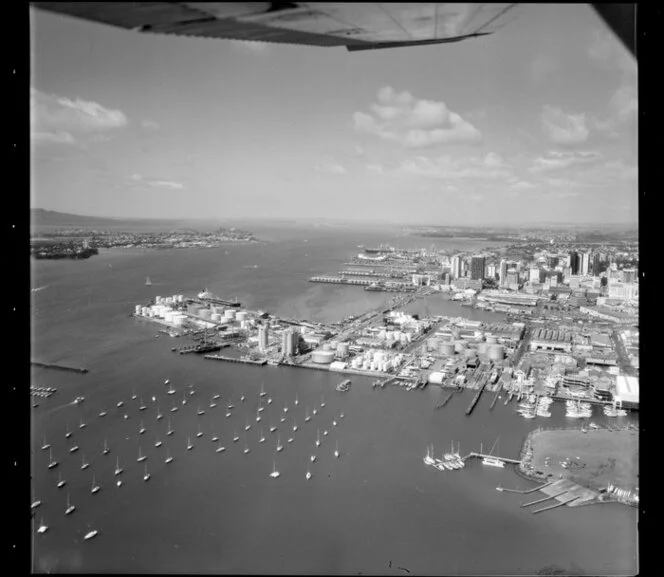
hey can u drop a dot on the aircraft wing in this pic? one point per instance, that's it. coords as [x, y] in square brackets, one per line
[360, 26]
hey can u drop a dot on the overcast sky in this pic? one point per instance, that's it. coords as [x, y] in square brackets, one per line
[536, 122]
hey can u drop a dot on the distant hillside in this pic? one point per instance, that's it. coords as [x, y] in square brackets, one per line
[42, 219]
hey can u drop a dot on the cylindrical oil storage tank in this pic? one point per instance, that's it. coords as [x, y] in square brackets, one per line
[459, 346]
[322, 357]
[137, 309]
[216, 317]
[229, 314]
[482, 348]
[436, 378]
[343, 349]
[205, 313]
[447, 349]
[382, 335]
[491, 340]
[456, 334]
[470, 353]
[496, 352]
[241, 316]
[404, 338]
[157, 300]
[145, 311]
[356, 363]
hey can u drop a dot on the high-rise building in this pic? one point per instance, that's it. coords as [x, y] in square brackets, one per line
[456, 267]
[503, 272]
[552, 261]
[585, 263]
[262, 338]
[534, 275]
[512, 281]
[477, 268]
[288, 343]
[596, 264]
[491, 271]
[574, 262]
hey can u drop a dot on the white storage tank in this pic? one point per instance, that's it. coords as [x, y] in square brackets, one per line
[157, 300]
[322, 357]
[459, 346]
[382, 334]
[137, 309]
[496, 352]
[229, 313]
[343, 349]
[436, 378]
[216, 317]
[241, 316]
[447, 349]
[404, 339]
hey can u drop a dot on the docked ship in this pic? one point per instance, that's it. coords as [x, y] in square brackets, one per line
[344, 386]
[206, 295]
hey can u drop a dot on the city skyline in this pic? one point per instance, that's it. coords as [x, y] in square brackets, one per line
[534, 125]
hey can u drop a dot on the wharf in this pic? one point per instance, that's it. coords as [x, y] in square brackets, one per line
[482, 455]
[445, 401]
[526, 492]
[475, 399]
[202, 348]
[234, 360]
[495, 398]
[59, 367]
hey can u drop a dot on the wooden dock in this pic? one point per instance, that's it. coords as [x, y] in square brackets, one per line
[547, 498]
[525, 492]
[234, 360]
[476, 398]
[481, 456]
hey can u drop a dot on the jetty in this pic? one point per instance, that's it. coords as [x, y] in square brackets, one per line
[482, 456]
[476, 398]
[547, 498]
[59, 367]
[495, 398]
[202, 348]
[445, 401]
[527, 491]
[562, 492]
[234, 360]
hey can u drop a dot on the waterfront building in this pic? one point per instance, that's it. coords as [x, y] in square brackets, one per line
[629, 275]
[456, 266]
[627, 392]
[585, 263]
[262, 338]
[624, 291]
[512, 280]
[534, 275]
[575, 262]
[289, 342]
[491, 271]
[596, 266]
[477, 265]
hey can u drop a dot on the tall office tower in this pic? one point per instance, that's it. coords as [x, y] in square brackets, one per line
[585, 263]
[491, 271]
[503, 272]
[288, 342]
[456, 267]
[574, 262]
[596, 264]
[262, 338]
[552, 261]
[534, 275]
[629, 275]
[477, 268]
[512, 280]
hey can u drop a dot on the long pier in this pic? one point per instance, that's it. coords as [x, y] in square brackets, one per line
[475, 399]
[481, 456]
[547, 498]
[525, 492]
[566, 501]
[495, 398]
[234, 360]
[59, 367]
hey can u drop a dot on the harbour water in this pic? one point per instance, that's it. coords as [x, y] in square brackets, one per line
[220, 512]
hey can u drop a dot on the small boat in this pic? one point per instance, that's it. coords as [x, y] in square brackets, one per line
[272, 428]
[91, 534]
[158, 443]
[146, 476]
[61, 481]
[168, 459]
[51, 461]
[73, 448]
[282, 420]
[106, 449]
[261, 409]
[120, 404]
[274, 474]
[247, 426]
[171, 391]
[118, 469]
[262, 439]
[228, 414]
[142, 429]
[142, 407]
[82, 425]
[258, 417]
[192, 393]
[290, 439]
[297, 402]
[200, 433]
[103, 413]
[95, 487]
[42, 528]
[84, 465]
[230, 406]
[307, 418]
[269, 400]
[313, 458]
[217, 396]
[170, 430]
[35, 504]
[148, 282]
[189, 445]
[279, 445]
[294, 426]
[315, 411]
[214, 439]
[308, 475]
[235, 437]
[246, 449]
[336, 451]
[242, 398]
[318, 439]
[322, 402]
[159, 415]
[133, 395]
[220, 449]
[262, 393]
[70, 508]
[174, 408]
[200, 411]
[341, 416]
[141, 457]
[213, 405]
[167, 381]
[334, 423]
[286, 409]
[324, 433]
[68, 433]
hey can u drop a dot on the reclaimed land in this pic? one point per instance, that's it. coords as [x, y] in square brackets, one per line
[603, 457]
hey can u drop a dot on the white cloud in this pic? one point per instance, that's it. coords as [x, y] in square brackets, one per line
[252, 47]
[624, 103]
[401, 118]
[57, 119]
[493, 160]
[523, 185]
[375, 168]
[165, 184]
[446, 167]
[57, 137]
[331, 168]
[150, 124]
[562, 127]
[556, 160]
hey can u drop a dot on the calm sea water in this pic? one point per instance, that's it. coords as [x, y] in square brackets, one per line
[211, 512]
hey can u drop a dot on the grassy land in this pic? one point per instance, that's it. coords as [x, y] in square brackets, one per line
[604, 456]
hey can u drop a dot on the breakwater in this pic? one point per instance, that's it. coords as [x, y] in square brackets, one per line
[59, 367]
